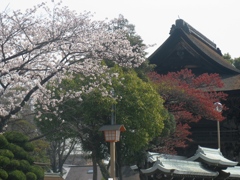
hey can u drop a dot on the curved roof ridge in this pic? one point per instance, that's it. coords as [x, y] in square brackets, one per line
[180, 23]
[180, 167]
[211, 156]
[153, 156]
[234, 171]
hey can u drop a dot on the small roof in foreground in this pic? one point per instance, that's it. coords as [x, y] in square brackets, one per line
[204, 164]
[112, 128]
[180, 168]
[212, 157]
[153, 157]
[234, 171]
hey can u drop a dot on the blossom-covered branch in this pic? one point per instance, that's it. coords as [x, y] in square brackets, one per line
[40, 45]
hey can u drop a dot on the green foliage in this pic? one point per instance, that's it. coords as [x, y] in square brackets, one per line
[4, 161]
[39, 153]
[16, 175]
[24, 166]
[236, 63]
[144, 69]
[18, 151]
[140, 103]
[30, 159]
[24, 124]
[13, 165]
[131, 35]
[228, 57]
[3, 141]
[137, 104]
[38, 171]
[29, 147]
[87, 116]
[15, 137]
[3, 174]
[6, 153]
[31, 176]
[169, 126]
[15, 162]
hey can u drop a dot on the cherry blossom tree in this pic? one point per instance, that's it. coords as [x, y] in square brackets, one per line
[43, 44]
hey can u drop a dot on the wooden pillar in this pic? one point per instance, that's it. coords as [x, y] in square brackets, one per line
[112, 160]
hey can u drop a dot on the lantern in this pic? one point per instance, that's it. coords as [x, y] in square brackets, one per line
[112, 132]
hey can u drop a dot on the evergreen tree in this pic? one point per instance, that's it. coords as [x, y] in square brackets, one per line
[16, 162]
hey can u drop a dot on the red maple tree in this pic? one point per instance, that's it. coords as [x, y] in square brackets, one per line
[189, 98]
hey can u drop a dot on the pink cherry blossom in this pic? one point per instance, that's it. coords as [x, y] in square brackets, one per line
[40, 45]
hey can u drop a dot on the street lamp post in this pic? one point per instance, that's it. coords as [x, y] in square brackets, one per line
[112, 135]
[218, 107]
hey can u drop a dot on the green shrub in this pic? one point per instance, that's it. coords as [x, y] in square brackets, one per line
[15, 137]
[18, 152]
[4, 161]
[15, 161]
[3, 141]
[6, 153]
[13, 165]
[27, 146]
[24, 166]
[38, 171]
[16, 175]
[31, 176]
[21, 154]
[3, 174]
[30, 159]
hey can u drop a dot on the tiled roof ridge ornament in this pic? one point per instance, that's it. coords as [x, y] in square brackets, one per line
[234, 172]
[181, 24]
[175, 167]
[153, 156]
[212, 157]
[206, 150]
[206, 163]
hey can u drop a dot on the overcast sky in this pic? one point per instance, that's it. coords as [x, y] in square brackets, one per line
[219, 20]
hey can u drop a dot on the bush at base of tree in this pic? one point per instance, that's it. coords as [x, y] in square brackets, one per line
[15, 161]
[38, 171]
[16, 175]
[3, 174]
[31, 176]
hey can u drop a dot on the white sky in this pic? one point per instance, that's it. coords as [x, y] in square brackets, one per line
[219, 20]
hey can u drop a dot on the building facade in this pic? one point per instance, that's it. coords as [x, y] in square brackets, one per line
[187, 48]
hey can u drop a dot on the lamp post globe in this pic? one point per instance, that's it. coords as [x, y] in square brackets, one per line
[218, 107]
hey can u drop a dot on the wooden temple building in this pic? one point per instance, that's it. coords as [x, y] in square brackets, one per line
[188, 48]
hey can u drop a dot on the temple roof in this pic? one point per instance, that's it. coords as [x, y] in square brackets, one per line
[180, 168]
[211, 157]
[205, 163]
[234, 172]
[188, 48]
[153, 157]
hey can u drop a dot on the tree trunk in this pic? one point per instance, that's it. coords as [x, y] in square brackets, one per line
[94, 160]
[144, 166]
[119, 168]
[53, 156]
[103, 169]
[119, 161]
